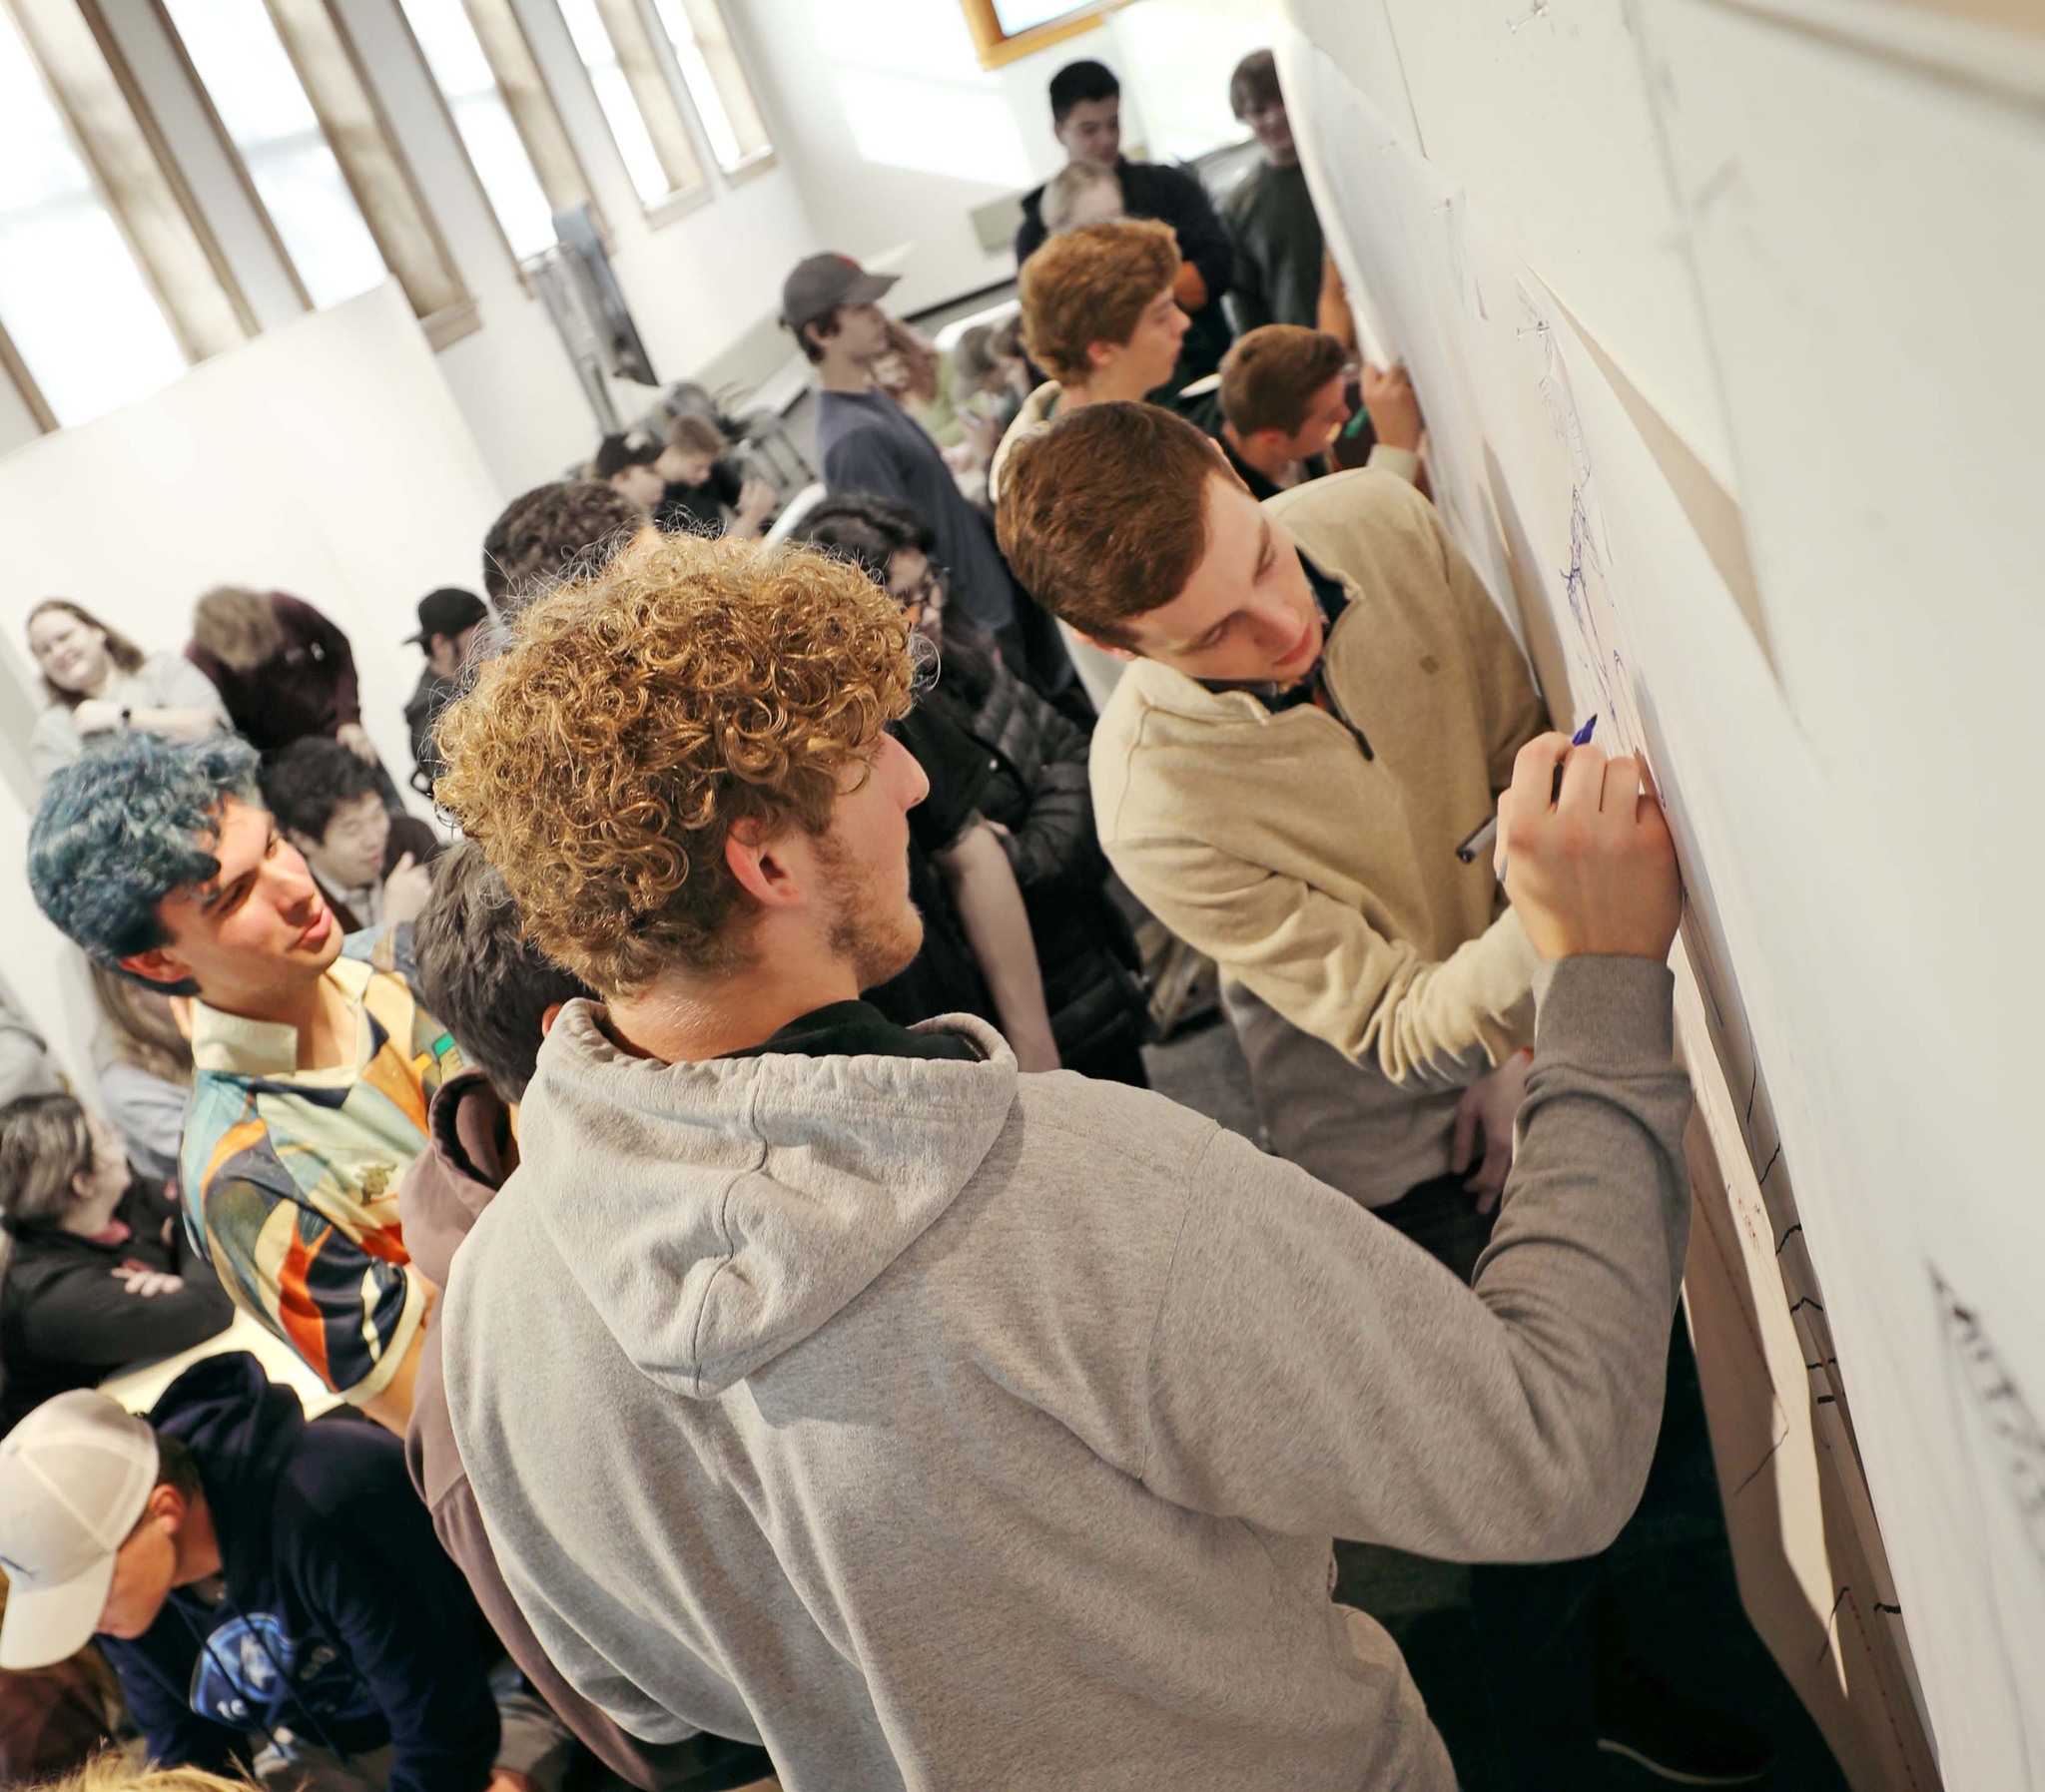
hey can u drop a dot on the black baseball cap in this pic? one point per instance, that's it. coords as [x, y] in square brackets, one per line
[616, 453]
[447, 612]
[821, 283]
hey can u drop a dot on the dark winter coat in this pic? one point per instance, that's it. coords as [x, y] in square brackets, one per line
[1037, 790]
[67, 1320]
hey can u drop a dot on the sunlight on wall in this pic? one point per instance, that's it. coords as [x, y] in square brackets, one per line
[940, 127]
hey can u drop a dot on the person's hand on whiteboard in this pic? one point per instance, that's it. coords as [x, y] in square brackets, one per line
[1592, 871]
[1394, 406]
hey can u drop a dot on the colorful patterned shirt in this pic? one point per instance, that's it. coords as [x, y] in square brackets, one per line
[291, 1176]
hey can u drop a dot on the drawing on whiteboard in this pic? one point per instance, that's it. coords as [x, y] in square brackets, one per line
[2006, 1417]
[2002, 1448]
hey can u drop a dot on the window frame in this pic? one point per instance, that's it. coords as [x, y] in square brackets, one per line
[136, 179]
[636, 49]
[501, 36]
[998, 46]
[351, 117]
[727, 53]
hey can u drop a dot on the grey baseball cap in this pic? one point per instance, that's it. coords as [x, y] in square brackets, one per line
[75, 1476]
[821, 283]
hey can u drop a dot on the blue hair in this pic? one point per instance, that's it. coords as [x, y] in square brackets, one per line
[122, 827]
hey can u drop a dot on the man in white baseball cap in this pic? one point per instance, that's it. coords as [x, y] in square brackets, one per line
[75, 1480]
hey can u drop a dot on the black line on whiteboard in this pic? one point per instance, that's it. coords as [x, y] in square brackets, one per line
[1787, 1235]
[1763, 1464]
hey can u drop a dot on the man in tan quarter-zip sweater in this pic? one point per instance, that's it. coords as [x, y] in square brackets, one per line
[1322, 702]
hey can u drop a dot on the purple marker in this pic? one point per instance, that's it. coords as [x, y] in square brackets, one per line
[1480, 841]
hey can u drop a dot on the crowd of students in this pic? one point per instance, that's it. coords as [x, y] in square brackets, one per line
[752, 1362]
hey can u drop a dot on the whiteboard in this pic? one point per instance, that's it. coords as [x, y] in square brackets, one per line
[1616, 244]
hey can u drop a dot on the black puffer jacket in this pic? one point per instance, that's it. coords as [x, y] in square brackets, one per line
[1037, 790]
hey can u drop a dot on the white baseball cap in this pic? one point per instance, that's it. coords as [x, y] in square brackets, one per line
[75, 1476]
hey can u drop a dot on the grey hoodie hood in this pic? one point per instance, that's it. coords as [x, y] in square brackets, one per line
[744, 1202]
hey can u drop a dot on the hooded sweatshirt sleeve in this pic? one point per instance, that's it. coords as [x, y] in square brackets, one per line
[405, 1621]
[1365, 1393]
[173, 1733]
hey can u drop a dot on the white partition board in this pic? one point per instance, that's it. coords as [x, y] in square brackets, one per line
[1814, 263]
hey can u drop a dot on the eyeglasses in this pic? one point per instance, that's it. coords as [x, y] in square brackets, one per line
[927, 593]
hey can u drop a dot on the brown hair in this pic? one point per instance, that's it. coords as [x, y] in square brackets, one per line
[140, 1029]
[1254, 84]
[567, 530]
[694, 433]
[1269, 377]
[122, 651]
[239, 627]
[1103, 516]
[1093, 285]
[601, 761]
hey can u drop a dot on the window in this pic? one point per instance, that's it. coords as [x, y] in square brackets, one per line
[454, 56]
[262, 106]
[292, 103]
[1007, 29]
[617, 51]
[716, 81]
[88, 332]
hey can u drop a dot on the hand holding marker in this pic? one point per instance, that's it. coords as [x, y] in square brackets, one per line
[1481, 840]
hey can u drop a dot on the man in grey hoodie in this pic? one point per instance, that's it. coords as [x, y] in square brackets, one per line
[831, 1385]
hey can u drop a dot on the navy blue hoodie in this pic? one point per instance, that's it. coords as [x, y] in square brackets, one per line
[344, 1624]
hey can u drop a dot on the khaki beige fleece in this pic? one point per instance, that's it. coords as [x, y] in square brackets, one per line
[1323, 880]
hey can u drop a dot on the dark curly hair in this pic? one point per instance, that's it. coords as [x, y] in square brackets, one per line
[553, 533]
[602, 760]
[120, 828]
[305, 782]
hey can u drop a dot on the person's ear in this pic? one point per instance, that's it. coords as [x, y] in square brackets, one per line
[160, 964]
[754, 857]
[1104, 354]
[166, 1509]
[1113, 648]
[548, 1015]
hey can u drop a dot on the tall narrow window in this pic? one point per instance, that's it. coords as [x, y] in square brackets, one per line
[263, 106]
[461, 71]
[716, 80]
[617, 50]
[82, 317]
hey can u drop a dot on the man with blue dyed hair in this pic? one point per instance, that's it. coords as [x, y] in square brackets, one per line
[315, 1060]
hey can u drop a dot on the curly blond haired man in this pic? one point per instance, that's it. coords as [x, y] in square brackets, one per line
[832, 1386]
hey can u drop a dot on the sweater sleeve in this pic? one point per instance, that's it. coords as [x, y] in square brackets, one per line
[1366, 1393]
[407, 1624]
[173, 1734]
[1322, 964]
